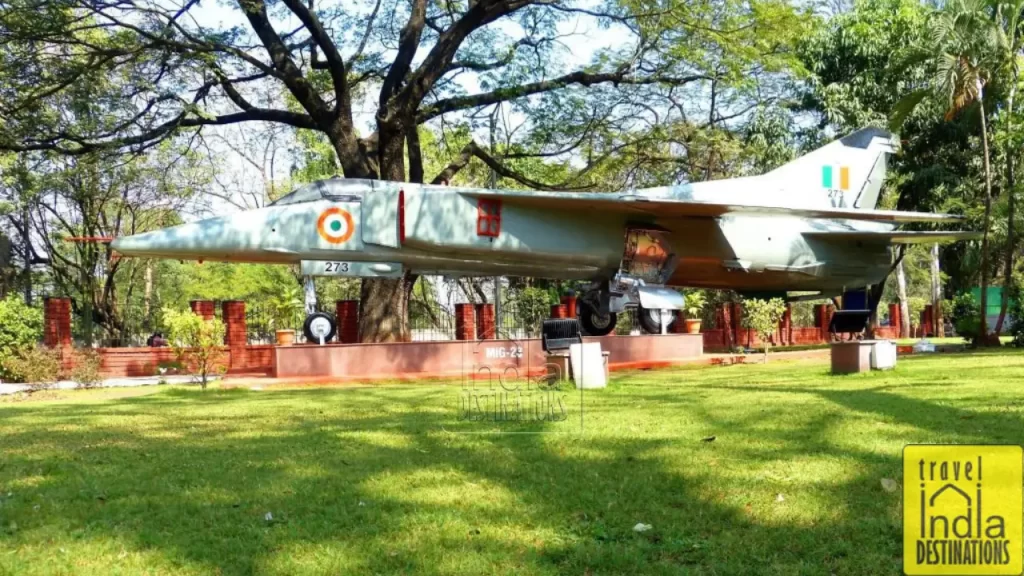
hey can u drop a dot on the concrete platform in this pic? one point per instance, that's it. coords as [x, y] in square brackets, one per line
[474, 359]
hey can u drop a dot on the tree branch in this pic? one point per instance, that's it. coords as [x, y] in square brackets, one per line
[256, 12]
[438, 60]
[473, 149]
[335, 63]
[513, 92]
[408, 42]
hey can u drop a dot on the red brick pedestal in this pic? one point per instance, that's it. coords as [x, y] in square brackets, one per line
[786, 326]
[236, 337]
[203, 308]
[465, 322]
[485, 321]
[570, 306]
[740, 335]
[723, 321]
[347, 315]
[57, 322]
[927, 327]
[895, 319]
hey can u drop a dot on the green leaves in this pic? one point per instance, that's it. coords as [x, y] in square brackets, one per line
[21, 328]
[905, 107]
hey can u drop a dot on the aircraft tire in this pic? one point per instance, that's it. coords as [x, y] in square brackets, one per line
[594, 324]
[317, 322]
[650, 320]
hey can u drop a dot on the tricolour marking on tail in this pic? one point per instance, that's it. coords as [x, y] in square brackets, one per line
[845, 173]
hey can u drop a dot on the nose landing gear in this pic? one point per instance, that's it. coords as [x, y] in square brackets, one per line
[319, 327]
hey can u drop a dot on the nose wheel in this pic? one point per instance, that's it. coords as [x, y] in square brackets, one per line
[319, 325]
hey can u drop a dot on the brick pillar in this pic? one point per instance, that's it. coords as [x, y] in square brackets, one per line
[203, 308]
[57, 322]
[570, 306]
[485, 322]
[465, 322]
[679, 326]
[236, 337]
[826, 319]
[926, 321]
[786, 325]
[723, 320]
[347, 316]
[559, 311]
[737, 324]
[895, 320]
[819, 321]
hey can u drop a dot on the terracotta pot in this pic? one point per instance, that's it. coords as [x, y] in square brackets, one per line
[692, 326]
[285, 337]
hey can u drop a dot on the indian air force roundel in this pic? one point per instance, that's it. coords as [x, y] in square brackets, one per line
[335, 225]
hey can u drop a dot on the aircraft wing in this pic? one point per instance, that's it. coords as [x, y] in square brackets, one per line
[895, 237]
[670, 207]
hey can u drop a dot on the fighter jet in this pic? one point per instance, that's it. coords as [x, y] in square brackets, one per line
[808, 227]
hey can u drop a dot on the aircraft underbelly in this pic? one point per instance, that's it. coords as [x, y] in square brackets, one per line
[747, 252]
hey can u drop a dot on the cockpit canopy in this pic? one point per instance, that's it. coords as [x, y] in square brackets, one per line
[337, 189]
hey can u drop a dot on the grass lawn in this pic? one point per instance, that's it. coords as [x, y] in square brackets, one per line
[388, 479]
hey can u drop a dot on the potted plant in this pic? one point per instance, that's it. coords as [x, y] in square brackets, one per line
[285, 306]
[695, 301]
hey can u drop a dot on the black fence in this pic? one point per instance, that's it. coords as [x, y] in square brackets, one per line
[262, 322]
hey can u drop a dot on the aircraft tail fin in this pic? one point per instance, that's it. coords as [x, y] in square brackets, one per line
[845, 173]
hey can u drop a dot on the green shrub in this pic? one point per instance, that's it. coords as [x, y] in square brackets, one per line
[532, 305]
[1016, 313]
[37, 366]
[964, 314]
[764, 317]
[196, 341]
[21, 328]
[87, 369]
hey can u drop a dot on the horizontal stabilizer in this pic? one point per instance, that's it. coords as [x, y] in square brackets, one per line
[895, 237]
[672, 208]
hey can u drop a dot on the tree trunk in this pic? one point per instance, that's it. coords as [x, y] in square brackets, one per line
[940, 328]
[147, 301]
[1011, 189]
[983, 339]
[384, 302]
[901, 293]
[26, 231]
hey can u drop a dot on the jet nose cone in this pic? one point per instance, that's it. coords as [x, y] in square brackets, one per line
[138, 244]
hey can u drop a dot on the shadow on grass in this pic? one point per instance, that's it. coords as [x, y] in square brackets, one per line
[375, 480]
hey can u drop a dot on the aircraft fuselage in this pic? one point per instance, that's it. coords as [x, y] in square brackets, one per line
[436, 230]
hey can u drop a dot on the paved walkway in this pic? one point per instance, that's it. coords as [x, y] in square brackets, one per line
[263, 380]
[108, 383]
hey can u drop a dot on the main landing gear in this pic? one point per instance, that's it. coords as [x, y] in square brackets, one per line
[592, 321]
[651, 319]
